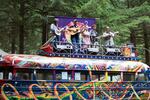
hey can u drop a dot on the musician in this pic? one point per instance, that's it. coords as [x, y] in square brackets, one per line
[108, 36]
[93, 34]
[55, 29]
[75, 37]
[85, 37]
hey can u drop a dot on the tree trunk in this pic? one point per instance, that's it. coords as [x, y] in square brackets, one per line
[13, 40]
[21, 26]
[44, 31]
[133, 37]
[146, 41]
[128, 3]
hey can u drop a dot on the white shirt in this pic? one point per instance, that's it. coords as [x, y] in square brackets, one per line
[108, 40]
[54, 28]
[93, 32]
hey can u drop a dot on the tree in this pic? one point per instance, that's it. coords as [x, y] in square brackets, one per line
[21, 25]
[25, 20]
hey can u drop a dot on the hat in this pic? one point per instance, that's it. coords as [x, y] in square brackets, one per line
[107, 27]
[75, 20]
[56, 19]
[93, 25]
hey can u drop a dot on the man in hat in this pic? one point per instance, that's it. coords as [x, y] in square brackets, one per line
[73, 33]
[108, 36]
[55, 29]
[75, 36]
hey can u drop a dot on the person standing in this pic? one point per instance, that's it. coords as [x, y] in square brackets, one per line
[54, 29]
[108, 36]
[75, 36]
[86, 37]
[93, 34]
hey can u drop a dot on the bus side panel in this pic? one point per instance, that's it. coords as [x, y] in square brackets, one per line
[55, 90]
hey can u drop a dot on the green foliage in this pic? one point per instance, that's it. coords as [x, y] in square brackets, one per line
[120, 15]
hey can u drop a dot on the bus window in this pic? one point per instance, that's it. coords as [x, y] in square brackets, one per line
[10, 75]
[140, 77]
[102, 77]
[81, 76]
[44, 75]
[114, 76]
[78, 76]
[96, 75]
[24, 74]
[147, 73]
[5, 73]
[69, 75]
[58, 75]
[85, 76]
[128, 76]
[1, 75]
[148, 77]
[64, 75]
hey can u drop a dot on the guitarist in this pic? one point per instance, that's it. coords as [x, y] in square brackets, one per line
[108, 36]
[55, 30]
[75, 37]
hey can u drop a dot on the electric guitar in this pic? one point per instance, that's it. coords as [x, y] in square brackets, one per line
[109, 36]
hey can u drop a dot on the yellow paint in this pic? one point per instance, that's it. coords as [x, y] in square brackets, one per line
[106, 76]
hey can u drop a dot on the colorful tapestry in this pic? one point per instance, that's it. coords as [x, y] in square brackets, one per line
[64, 23]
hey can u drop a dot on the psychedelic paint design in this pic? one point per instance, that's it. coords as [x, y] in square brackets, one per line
[77, 91]
[74, 90]
[74, 63]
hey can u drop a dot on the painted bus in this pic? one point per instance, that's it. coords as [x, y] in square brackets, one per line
[57, 72]
[33, 77]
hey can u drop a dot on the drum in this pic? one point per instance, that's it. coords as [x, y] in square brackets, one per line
[126, 51]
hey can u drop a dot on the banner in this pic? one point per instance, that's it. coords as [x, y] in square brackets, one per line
[64, 21]
[82, 23]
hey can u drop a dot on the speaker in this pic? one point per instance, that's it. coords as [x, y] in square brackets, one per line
[64, 46]
[112, 51]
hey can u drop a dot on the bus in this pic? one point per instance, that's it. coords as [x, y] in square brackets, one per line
[39, 78]
[56, 72]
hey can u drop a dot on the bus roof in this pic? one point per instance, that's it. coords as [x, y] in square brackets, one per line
[35, 61]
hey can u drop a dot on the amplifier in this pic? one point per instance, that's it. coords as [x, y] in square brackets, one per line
[64, 46]
[113, 50]
[93, 49]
